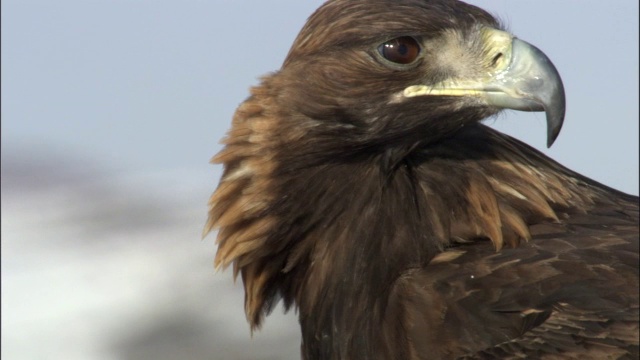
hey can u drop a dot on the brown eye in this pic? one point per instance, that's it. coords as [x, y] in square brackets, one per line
[402, 50]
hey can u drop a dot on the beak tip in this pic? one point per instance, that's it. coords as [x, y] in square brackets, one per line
[554, 125]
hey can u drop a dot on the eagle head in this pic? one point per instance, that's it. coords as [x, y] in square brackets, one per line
[325, 184]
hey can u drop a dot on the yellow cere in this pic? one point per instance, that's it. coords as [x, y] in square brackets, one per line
[497, 49]
[421, 90]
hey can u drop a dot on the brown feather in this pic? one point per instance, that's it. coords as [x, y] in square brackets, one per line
[396, 228]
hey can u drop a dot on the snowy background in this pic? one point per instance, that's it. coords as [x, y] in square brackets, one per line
[110, 112]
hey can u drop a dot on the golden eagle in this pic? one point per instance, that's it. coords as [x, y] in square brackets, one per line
[360, 187]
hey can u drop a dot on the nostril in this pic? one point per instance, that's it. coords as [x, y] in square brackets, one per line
[496, 59]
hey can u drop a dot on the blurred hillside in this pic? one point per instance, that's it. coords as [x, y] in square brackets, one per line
[100, 264]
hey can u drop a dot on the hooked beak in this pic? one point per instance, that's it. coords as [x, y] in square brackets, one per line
[518, 76]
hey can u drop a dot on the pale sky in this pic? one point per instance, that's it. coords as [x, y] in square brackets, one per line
[152, 84]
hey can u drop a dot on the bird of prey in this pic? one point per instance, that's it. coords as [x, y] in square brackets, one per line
[361, 188]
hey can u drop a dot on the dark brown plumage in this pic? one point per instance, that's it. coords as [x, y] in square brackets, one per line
[360, 187]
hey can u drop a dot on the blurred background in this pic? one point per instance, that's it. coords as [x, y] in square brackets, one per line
[111, 110]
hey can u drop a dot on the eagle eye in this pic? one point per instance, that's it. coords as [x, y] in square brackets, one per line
[402, 50]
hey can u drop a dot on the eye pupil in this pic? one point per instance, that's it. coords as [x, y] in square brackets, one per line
[402, 50]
